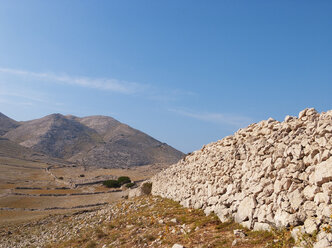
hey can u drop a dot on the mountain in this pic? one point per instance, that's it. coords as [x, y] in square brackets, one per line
[6, 124]
[10, 149]
[125, 145]
[54, 135]
[92, 141]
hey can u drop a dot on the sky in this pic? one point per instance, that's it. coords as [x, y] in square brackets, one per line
[185, 72]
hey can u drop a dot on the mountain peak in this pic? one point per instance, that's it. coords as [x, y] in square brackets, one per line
[96, 140]
[6, 124]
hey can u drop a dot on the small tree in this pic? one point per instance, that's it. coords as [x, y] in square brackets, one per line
[146, 188]
[112, 184]
[124, 180]
[130, 185]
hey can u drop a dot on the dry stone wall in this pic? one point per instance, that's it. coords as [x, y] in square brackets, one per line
[269, 174]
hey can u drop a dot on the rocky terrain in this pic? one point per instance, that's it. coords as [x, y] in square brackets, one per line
[268, 185]
[269, 175]
[138, 222]
[97, 141]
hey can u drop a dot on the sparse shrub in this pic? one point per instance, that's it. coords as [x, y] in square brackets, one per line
[149, 237]
[124, 180]
[61, 178]
[100, 234]
[112, 184]
[91, 244]
[130, 185]
[146, 188]
[111, 226]
[82, 175]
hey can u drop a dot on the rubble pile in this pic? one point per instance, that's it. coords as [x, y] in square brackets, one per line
[269, 174]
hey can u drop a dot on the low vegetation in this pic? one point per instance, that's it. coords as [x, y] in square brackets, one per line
[130, 185]
[112, 184]
[123, 180]
[146, 188]
[156, 222]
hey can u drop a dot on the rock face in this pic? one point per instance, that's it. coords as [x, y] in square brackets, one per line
[91, 141]
[268, 174]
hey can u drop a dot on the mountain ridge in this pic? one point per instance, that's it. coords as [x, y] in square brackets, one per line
[98, 140]
[6, 124]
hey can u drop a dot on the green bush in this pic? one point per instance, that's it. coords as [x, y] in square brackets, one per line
[124, 180]
[146, 188]
[112, 184]
[130, 185]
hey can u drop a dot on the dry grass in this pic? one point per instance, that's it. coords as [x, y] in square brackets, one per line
[147, 221]
[23, 173]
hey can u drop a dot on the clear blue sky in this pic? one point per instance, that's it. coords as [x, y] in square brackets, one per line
[185, 72]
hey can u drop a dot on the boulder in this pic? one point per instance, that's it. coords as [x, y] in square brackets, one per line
[177, 246]
[261, 226]
[323, 172]
[246, 209]
[310, 225]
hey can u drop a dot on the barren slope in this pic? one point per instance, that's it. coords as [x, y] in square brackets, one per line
[6, 124]
[55, 136]
[92, 141]
[124, 146]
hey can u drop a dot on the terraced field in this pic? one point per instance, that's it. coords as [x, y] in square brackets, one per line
[32, 189]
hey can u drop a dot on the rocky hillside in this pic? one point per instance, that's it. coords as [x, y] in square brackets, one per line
[55, 136]
[140, 222]
[10, 149]
[92, 141]
[6, 124]
[270, 174]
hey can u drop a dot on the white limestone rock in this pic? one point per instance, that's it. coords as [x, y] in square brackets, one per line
[310, 225]
[310, 191]
[323, 172]
[296, 199]
[177, 246]
[261, 226]
[246, 209]
[268, 173]
[297, 232]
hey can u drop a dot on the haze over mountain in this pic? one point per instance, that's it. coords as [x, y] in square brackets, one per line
[91, 141]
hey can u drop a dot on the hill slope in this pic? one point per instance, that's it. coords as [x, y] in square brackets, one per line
[54, 135]
[12, 150]
[92, 141]
[140, 222]
[124, 146]
[6, 124]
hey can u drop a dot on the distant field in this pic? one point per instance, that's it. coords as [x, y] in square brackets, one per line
[27, 188]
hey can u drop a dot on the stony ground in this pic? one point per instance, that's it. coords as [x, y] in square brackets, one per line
[139, 222]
